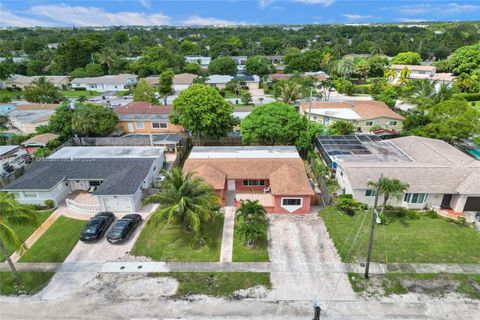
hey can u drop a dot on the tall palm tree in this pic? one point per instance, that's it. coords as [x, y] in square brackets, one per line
[390, 74]
[106, 57]
[81, 125]
[345, 68]
[404, 75]
[326, 86]
[251, 232]
[13, 214]
[389, 188]
[186, 200]
[290, 91]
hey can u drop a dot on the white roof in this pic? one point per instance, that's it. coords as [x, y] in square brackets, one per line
[241, 114]
[340, 113]
[107, 152]
[7, 149]
[110, 79]
[217, 78]
[244, 152]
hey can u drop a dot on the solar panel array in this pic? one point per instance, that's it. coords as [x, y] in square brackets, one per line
[335, 145]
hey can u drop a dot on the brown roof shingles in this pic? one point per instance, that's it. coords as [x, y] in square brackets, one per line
[141, 107]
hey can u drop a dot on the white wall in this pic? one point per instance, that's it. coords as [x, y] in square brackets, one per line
[57, 194]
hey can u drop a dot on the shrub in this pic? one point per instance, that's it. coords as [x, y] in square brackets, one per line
[344, 86]
[5, 98]
[432, 214]
[363, 88]
[468, 96]
[346, 204]
[49, 203]
[412, 215]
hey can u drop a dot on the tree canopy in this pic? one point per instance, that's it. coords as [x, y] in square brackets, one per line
[144, 91]
[222, 65]
[274, 123]
[201, 110]
[258, 65]
[465, 59]
[42, 91]
[409, 57]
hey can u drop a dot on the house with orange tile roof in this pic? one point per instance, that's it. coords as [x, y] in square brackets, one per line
[365, 115]
[145, 117]
[273, 175]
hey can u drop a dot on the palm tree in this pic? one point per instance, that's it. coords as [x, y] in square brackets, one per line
[252, 232]
[404, 75]
[42, 91]
[326, 86]
[345, 68]
[290, 91]
[390, 74]
[251, 211]
[83, 122]
[13, 214]
[106, 57]
[184, 199]
[389, 188]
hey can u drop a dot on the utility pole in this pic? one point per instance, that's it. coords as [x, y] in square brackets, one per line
[316, 311]
[372, 227]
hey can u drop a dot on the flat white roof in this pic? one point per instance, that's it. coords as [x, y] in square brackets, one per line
[245, 152]
[7, 149]
[107, 152]
[341, 113]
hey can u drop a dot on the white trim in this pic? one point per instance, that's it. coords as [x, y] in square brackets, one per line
[291, 208]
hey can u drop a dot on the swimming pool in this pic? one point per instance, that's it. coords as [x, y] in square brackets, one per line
[475, 153]
[6, 108]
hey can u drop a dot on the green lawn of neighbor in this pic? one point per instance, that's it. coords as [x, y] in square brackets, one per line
[243, 253]
[173, 243]
[56, 243]
[218, 284]
[79, 93]
[24, 232]
[424, 240]
[31, 282]
[12, 94]
[435, 284]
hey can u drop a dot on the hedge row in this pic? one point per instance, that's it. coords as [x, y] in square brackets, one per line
[468, 96]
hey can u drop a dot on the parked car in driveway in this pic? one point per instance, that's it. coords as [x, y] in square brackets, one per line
[97, 226]
[123, 228]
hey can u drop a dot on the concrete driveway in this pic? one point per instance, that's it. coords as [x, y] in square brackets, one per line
[296, 244]
[93, 255]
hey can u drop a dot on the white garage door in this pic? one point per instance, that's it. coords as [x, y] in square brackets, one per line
[119, 204]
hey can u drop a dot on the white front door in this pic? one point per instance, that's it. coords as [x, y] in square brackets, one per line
[231, 184]
[118, 204]
[130, 127]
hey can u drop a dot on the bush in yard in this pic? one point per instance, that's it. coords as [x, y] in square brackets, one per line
[5, 98]
[49, 203]
[412, 215]
[346, 204]
[432, 214]
[344, 86]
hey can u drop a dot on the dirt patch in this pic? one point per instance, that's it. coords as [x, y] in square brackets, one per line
[438, 287]
[257, 292]
[119, 287]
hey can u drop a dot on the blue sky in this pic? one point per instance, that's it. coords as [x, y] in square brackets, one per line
[27, 13]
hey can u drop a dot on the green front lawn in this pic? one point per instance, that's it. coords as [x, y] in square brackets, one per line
[218, 284]
[12, 94]
[31, 282]
[24, 232]
[243, 253]
[56, 243]
[173, 243]
[79, 93]
[418, 241]
[437, 284]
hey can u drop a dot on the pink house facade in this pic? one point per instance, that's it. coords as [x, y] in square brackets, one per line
[275, 176]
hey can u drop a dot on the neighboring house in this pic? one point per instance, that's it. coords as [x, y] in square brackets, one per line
[28, 117]
[120, 82]
[145, 117]
[240, 113]
[423, 73]
[240, 61]
[182, 81]
[218, 81]
[438, 174]
[275, 176]
[152, 79]
[202, 61]
[365, 115]
[20, 82]
[12, 157]
[114, 176]
[252, 82]
[38, 141]
[319, 76]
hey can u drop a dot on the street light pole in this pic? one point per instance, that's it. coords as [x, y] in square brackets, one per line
[372, 227]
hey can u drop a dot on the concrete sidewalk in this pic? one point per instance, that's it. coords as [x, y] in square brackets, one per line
[146, 267]
[226, 251]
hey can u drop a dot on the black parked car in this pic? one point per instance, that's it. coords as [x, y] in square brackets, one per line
[123, 228]
[97, 226]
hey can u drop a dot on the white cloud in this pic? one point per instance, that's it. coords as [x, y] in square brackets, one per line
[208, 21]
[10, 19]
[266, 3]
[145, 3]
[411, 20]
[356, 16]
[443, 9]
[92, 16]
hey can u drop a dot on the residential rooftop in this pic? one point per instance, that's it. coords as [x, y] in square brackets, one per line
[108, 152]
[351, 110]
[108, 79]
[244, 152]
